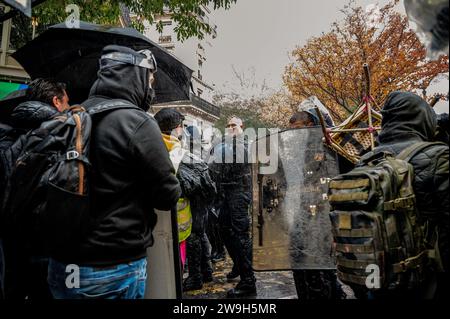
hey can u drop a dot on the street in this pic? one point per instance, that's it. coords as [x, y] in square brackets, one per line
[270, 285]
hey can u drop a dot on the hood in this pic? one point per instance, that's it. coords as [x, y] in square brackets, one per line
[171, 142]
[406, 116]
[122, 81]
[31, 114]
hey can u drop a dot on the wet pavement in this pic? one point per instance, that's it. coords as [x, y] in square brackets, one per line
[269, 285]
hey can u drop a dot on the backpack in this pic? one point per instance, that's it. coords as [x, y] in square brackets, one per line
[379, 238]
[7, 138]
[47, 187]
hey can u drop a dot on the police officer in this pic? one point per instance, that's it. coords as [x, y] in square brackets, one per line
[231, 171]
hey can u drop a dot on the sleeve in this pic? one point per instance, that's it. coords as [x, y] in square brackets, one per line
[441, 198]
[158, 173]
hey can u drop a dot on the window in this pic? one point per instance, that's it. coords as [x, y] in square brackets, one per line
[199, 92]
[200, 63]
[165, 39]
[199, 75]
[166, 23]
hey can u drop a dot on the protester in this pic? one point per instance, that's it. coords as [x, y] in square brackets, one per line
[131, 175]
[198, 189]
[407, 120]
[198, 246]
[25, 261]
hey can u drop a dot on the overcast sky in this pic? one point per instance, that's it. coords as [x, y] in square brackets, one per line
[260, 34]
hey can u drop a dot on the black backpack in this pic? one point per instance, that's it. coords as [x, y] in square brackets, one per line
[47, 181]
[8, 135]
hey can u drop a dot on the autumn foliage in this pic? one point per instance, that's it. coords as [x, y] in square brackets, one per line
[330, 66]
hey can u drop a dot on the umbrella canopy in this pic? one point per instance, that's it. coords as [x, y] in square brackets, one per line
[23, 6]
[71, 55]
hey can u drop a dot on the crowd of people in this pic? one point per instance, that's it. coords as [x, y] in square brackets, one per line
[139, 163]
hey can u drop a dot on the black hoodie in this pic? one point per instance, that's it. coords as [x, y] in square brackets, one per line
[408, 119]
[131, 171]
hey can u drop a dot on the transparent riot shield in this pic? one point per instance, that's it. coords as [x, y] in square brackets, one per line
[291, 226]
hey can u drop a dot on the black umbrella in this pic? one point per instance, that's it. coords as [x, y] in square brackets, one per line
[71, 55]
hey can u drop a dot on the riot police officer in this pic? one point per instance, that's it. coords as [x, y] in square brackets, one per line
[231, 171]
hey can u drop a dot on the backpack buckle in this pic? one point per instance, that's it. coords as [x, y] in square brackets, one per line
[72, 155]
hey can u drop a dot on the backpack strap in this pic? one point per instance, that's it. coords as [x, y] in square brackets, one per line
[111, 105]
[408, 153]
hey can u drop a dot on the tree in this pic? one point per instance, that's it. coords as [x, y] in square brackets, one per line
[278, 108]
[330, 66]
[249, 110]
[254, 102]
[187, 14]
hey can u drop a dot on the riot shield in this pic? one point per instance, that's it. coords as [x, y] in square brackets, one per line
[291, 227]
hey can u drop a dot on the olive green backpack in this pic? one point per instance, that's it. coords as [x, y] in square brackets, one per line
[379, 239]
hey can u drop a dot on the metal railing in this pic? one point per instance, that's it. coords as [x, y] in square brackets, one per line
[205, 106]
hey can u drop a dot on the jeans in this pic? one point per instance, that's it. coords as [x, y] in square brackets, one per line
[123, 281]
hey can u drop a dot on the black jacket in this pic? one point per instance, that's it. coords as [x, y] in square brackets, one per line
[25, 117]
[231, 171]
[408, 119]
[131, 172]
[198, 187]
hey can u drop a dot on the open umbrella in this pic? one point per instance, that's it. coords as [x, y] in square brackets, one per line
[71, 55]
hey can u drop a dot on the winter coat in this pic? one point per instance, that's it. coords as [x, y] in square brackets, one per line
[408, 119]
[131, 172]
[196, 184]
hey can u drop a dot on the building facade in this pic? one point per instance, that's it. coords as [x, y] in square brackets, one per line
[12, 75]
[200, 110]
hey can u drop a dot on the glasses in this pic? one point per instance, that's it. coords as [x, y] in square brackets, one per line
[231, 125]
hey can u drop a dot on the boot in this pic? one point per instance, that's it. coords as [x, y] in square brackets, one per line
[207, 277]
[245, 288]
[233, 274]
[218, 256]
[193, 283]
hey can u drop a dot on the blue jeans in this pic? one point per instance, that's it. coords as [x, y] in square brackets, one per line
[123, 281]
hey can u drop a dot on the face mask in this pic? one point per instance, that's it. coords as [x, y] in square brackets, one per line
[149, 97]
